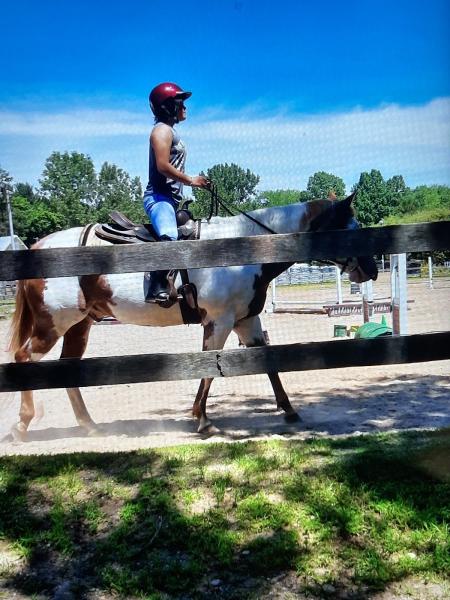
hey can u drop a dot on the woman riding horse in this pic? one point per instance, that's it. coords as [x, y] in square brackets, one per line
[167, 157]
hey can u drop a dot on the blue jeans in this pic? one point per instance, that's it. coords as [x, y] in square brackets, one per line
[161, 212]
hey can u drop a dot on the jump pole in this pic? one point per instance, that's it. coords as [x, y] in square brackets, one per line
[338, 286]
[367, 300]
[271, 308]
[430, 272]
[399, 294]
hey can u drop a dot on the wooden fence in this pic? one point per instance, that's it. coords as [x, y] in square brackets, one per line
[62, 262]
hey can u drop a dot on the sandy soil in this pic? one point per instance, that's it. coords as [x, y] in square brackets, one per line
[330, 402]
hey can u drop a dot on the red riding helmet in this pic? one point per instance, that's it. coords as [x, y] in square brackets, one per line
[163, 98]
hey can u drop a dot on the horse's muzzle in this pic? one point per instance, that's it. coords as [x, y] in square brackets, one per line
[367, 268]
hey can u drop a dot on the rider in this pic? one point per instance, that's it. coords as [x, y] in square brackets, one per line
[167, 158]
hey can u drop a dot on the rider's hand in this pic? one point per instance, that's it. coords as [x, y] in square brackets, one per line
[200, 181]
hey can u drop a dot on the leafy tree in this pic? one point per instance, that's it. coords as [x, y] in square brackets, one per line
[396, 190]
[33, 220]
[281, 197]
[117, 191]
[322, 185]
[235, 186]
[371, 202]
[422, 205]
[424, 198]
[26, 191]
[69, 184]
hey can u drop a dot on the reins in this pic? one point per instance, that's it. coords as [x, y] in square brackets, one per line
[216, 201]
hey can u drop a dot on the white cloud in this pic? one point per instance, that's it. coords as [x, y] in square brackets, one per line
[283, 148]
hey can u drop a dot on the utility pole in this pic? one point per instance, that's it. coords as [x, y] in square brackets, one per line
[7, 199]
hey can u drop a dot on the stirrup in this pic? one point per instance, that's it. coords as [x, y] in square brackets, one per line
[159, 298]
[163, 299]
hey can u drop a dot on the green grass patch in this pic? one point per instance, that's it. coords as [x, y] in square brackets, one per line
[363, 512]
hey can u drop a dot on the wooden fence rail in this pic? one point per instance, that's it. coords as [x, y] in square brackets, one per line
[225, 363]
[64, 262]
[61, 262]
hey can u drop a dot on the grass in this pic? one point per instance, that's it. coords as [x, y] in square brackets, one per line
[357, 513]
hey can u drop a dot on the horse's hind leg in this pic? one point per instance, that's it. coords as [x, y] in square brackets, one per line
[41, 342]
[74, 345]
[250, 334]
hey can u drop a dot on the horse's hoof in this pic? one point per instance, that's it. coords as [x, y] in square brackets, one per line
[92, 430]
[209, 430]
[292, 418]
[94, 433]
[17, 434]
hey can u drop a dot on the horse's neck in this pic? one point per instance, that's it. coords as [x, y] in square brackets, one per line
[281, 219]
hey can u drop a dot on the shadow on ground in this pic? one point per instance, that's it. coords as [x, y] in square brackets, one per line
[149, 543]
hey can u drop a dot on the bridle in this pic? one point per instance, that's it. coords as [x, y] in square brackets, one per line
[217, 201]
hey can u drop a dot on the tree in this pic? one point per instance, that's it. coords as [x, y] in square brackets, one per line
[117, 191]
[281, 197]
[424, 198]
[25, 190]
[69, 185]
[33, 220]
[371, 202]
[322, 185]
[235, 186]
[396, 190]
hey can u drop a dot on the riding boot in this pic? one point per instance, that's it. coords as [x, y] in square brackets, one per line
[158, 289]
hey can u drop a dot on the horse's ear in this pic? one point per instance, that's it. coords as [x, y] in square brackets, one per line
[350, 198]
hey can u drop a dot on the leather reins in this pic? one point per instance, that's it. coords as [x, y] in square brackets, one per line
[217, 201]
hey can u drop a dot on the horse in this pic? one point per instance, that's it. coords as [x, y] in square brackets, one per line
[228, 298]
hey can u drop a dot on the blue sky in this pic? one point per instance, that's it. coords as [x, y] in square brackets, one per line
[284, 88]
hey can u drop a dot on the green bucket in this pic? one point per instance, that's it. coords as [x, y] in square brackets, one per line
[340, 330]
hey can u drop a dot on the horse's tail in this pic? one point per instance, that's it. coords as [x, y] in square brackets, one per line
[22, 321]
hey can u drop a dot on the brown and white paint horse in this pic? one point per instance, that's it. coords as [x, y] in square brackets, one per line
[229, 298]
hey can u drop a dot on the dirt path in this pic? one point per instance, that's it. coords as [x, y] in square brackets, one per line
[330, 402]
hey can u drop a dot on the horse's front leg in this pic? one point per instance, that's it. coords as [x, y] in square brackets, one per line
[215, 334]
[199, 407]
[250, 334]
[33, 350]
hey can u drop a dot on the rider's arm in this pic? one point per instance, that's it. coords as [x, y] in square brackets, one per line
[161, 141]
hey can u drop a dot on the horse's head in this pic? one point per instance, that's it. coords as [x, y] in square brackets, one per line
[340, 215]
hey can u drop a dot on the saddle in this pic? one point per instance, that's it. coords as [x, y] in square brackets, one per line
[124, 231]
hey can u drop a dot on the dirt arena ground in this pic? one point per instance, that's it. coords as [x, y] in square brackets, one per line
[330, 402]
